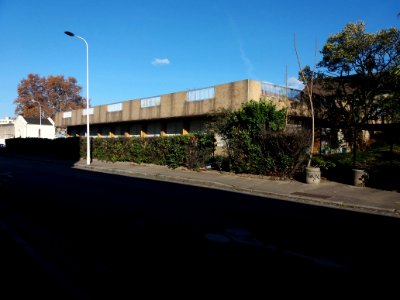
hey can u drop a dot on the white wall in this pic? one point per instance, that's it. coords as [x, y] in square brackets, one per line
[46, 131]
[20, 127]
[24, 130]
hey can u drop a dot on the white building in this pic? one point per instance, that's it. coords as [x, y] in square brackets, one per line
[24, 127]
[33, 127]
[6, 130]
[7, 120]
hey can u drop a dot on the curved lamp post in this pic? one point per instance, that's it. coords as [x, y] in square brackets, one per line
[40, 116]
[87, 96]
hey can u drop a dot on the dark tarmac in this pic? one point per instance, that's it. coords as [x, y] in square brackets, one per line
[326, 193]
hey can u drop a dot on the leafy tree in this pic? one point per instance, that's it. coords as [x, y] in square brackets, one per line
[256, 140]
[254, 117]
[360, 76]
[54, 93]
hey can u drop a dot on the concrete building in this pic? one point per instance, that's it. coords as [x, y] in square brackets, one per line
[176, 113]
[23, 127]
[7, 120]
[6, 130]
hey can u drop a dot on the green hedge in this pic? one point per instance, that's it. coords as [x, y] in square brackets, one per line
[257, 140]
[192, 151]
[280, 154]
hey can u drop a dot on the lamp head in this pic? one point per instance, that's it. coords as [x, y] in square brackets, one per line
[69, 33]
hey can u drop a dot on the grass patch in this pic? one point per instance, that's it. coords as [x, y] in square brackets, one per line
[381, 164]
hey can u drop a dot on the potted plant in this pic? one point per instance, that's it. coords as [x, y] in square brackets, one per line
[360, 176]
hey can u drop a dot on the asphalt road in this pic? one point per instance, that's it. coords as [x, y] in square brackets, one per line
[87, 235]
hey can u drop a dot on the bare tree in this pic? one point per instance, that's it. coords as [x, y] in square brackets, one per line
[309, 83]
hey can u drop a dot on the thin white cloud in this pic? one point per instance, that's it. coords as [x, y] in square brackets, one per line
[294, 83]
[247, 62]
[160, 61]
[248, 65]
[269, 82]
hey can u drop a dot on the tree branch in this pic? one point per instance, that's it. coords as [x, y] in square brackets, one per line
[309, 92]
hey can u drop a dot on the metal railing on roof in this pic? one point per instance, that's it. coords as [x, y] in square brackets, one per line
[276, 91]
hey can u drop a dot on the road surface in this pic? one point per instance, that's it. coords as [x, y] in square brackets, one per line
[76, 234]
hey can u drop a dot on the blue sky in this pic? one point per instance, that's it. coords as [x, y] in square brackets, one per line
[141, 49]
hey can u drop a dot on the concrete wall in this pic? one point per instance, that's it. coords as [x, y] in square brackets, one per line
[231, 95]
[175, 113]
[7, 131]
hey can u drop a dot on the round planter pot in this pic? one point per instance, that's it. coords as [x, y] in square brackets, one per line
[359, 177]
[313, 175]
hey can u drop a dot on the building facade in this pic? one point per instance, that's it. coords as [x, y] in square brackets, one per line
[23, 127]
[6, 130]
[176, 113]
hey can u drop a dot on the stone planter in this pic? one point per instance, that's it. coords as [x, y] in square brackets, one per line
[313, 175]
[359, 177]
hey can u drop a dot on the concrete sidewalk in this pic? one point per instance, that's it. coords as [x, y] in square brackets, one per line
[326, 193]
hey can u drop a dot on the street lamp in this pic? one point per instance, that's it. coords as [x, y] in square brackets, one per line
[87, 96]
[40, 117]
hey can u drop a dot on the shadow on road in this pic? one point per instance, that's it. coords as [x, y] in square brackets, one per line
[85, 234]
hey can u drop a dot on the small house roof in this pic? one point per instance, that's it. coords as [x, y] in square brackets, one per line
[36, 121]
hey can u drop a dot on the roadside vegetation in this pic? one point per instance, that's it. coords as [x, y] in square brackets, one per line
[257, 140]
[380, 161]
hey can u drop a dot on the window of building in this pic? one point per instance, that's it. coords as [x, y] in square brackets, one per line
[67, 114]
[201, 94]
[114, 107]
[149, 102]
[90, 111]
